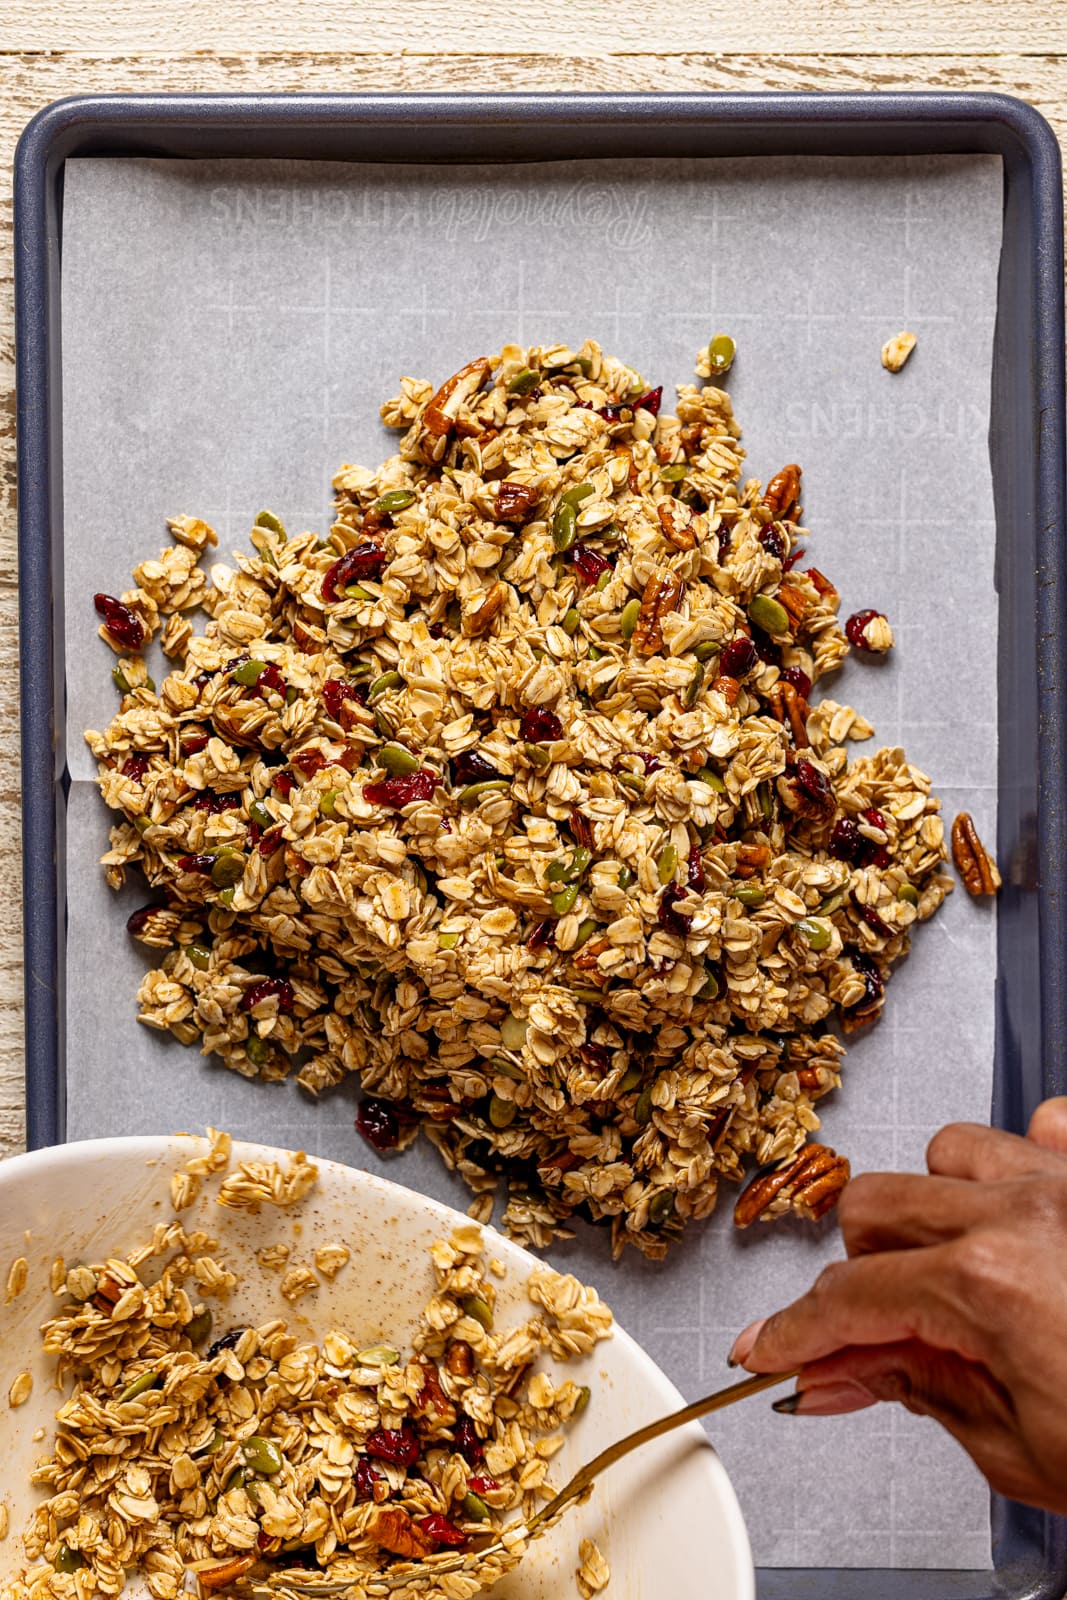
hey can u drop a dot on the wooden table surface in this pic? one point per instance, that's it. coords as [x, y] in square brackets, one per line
[52, 48]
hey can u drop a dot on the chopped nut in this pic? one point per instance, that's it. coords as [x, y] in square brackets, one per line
[662, 594]
[809, 1184]
[896, 351]
[973, 862]
[515, 501]
[481, 616]
[782, 493]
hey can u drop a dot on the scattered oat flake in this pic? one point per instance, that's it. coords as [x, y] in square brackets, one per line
[594, 1574]
[184, 1190]
[272, 1257]
[16, 1279]
[330, 1258]
[298, 1281]
[896, 351]
[257, 1183]
[20, 1390]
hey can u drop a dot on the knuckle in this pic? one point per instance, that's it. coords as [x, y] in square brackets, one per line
[978, 1267]
[828, 1284]
[899, 1384]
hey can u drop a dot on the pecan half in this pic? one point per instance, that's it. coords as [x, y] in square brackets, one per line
[460, 1359]
[393, 1529]
[227, 1571]
[729, 688]
[439, 418]
[973, 862]
[683, 536]
[431, 1397]
[514, 501]
[795, 602]
[788, 705]
[482, 615]
[752, 858]
[588, 956]
[823, 584]
[809, 1184]
[782, 493]
[663, 594]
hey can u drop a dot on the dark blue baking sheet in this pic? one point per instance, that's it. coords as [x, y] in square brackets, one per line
[1027, 443]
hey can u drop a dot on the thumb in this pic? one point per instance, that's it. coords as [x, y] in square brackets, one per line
[1048, 1125]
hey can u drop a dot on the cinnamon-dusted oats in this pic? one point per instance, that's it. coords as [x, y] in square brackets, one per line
[480, 781]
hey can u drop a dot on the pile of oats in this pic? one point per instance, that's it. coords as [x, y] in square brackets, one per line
[256, 1455]
[514, 797]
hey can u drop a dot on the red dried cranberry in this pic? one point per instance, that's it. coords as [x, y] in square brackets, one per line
[377, 1121]
[193, 741]
[435, 630]
[122, 623]
[540, 726]
[650, 401]
[271, 841]
[800, 680]
[137, 921]
[264, 989]
[766, 648]
[874, 988]
[581, 828]
[874, 818]
[855, 625]
[337, 690]
[595, 1055]
[255, 833]
[135, 767]
[723, 542]
[399, 1446]
[482, 1483]
[363, 561]
[873, 920]
[209, 801]
[846, 841]
[695, 873]
[467, 1443]
[542, 936]
[814, 785]
[201, 864]
[650, 763]
[270, 678]
[441, 1531]
[791, 560]
[773, 541]
[668, 916]
[738, 657]
[470, 767]
[364, 1478]
[591, 565]
[309, 761]
[226, 1342]
[393, 793]
[284, 782]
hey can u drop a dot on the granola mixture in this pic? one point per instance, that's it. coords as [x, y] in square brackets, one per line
[514, 796]
[256, 1455]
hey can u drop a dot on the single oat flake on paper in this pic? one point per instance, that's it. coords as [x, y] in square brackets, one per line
[896, 351]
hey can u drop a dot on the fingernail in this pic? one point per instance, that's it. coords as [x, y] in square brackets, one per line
[786, 1406]
[824, 1400]
[742, 1345]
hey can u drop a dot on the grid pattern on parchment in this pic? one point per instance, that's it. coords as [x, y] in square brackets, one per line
[256, 320]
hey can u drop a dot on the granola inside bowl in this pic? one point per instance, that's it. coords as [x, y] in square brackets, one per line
[270, 1369]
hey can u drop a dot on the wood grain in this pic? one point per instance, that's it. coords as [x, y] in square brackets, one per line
[64, 47]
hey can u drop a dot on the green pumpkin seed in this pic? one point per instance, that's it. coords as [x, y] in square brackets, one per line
[68, 1560]
[537, 756]
[556, 871]
[643, 1107]
[674, 473]
[120, 680]
[472, 794]
[213, 1446]
[140, 1386]
[571, 622]
[199, 955]
[143, 823]
[563, 900]
[626, 877]
[750, 894]
[584, 1396]
[395, 500]
[237, 1479]
[602, 582]
[632, 781]
[501, 1112]
[259, 813]
[706, 649]
[586, 931]
[575, 496]
[475, 1508]
[356, 591]
[818, 934]
[629, 1080]
[628, 621]
[525, 380]
[472, 1305]
[712, 779]
[150, 683]
[660, 1208]
[564, 525]
[709, 988]
[505, 1068]
[292, 694]
[327, 808]
[267, 519]
[908, 894]
[764, 798]
[667, 865]
[248, 673]
[262, 1455]
[398, 760]
[197, 1329]
[592, 997]
[387, 681]
[447, 941]
[513, 1031]
[595, 653]
[378, 1355]
[692, 688]
[580, 859]
[384, 724]
[768, 614]
[257, 1050]
[228, 870]
[832, 903]
[226, 897]
[721, 352]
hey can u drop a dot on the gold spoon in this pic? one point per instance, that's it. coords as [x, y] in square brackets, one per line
[407, 1575]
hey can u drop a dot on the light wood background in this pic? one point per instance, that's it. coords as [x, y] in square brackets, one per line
[52, 48]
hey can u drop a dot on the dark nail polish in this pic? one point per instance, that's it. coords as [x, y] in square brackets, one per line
[730, 1362]
[787, 1405]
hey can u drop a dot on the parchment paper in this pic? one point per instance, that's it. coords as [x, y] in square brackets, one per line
[229, 330]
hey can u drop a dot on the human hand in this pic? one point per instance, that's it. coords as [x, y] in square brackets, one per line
[953, 1301]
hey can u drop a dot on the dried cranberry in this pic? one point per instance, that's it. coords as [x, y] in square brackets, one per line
[470, 767]
[398, 1446]
[284, 782]
[271, 678]
[874, 818]
[202, 864]
[363, 561]
[542, 936]
[591, 565]
[595, 1055]
[393, 793]
[800, 680]
[135, 767]
[650, 763]
[846, 841]
[874, 921]
[264, 989]
[377, 1121]
[874, 988]
[581, 828]
[226, 1342]
[695, 873]
[467, 1443]
[122, 623]
[337, 690]
[723, 539]
[855, 625]
[791, 560]
[766, 649]
[814, 785]
[364, 1478]
[773, 541]
[137, 921]
[667, 916]
[738, 657]
[193, 741]
[650, 401]
[540, 726]
[209, 801]
[482, 1483]
[435, 630]
[441, 1531]
[255, 833]
[271, 841]
[309, 761]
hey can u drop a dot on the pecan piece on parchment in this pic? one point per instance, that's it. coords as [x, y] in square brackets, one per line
[809, 1184]
[663, 594]
[481, 616]
[796, 603]
[394, 1530]
[514, 501]
[973, 862]
[439, 418]
[782, 493]
[681, 533]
